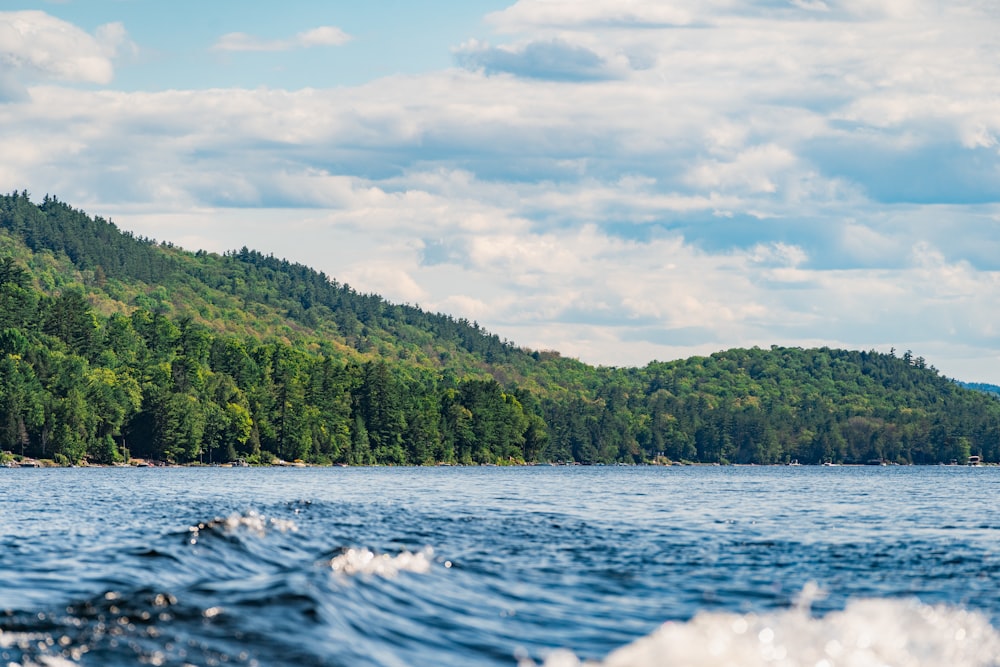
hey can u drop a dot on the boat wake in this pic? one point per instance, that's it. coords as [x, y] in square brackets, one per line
[319, 575]
[867, 633]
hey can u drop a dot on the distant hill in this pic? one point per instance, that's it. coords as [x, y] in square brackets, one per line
[991, 389]
[114, 345]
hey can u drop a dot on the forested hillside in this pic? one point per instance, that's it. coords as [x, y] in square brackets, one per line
[991, 389]
[113, 345]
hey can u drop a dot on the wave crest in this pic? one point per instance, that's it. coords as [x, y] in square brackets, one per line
[365, 561]
[252, 521]
[865, 633]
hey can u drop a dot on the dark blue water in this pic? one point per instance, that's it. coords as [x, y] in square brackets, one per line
[496, 566]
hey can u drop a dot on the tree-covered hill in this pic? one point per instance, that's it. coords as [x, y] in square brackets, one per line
[984, 387]
[112, 345]
[254, 295]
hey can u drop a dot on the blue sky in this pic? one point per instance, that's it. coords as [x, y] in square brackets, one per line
[176, 39]
[620, 180]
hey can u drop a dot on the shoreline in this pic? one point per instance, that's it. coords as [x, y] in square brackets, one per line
[143, 463]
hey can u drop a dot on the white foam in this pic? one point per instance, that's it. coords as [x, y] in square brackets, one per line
[867, 633]
[364, 561]
[251, 521]
[258, 523]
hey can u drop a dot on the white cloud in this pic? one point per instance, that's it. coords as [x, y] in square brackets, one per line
[543, 13]
[383, 277]
[755, 169]
[35, 45]
[732, 191]
[812, 5]
[555, 59]
[322, 36]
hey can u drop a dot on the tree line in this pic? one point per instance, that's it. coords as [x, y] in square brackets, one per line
[75, 386]
[126, 346]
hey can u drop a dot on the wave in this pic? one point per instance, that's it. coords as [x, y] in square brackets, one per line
[365, 561]
[251, 521]
[256, 587]
[317, 584]
[866, 633]
[274, 618]
[358, 608]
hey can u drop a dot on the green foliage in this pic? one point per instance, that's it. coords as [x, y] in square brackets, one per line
[991, 389]
[112, 345]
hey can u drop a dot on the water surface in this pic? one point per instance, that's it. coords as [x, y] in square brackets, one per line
[496, 566]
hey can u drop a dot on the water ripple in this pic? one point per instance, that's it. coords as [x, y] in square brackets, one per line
[495, 566]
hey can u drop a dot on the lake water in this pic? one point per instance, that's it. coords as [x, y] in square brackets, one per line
[720, 566]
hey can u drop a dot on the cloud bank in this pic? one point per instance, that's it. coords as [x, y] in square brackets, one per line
[621, 181]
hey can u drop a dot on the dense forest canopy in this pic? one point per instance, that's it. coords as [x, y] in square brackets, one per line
[984, 387]
[114, 345]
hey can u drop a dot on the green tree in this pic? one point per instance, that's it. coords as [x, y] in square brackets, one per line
[181, 427]
[113, 398]
[70, 319]
[380, 405]
[21, 403]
